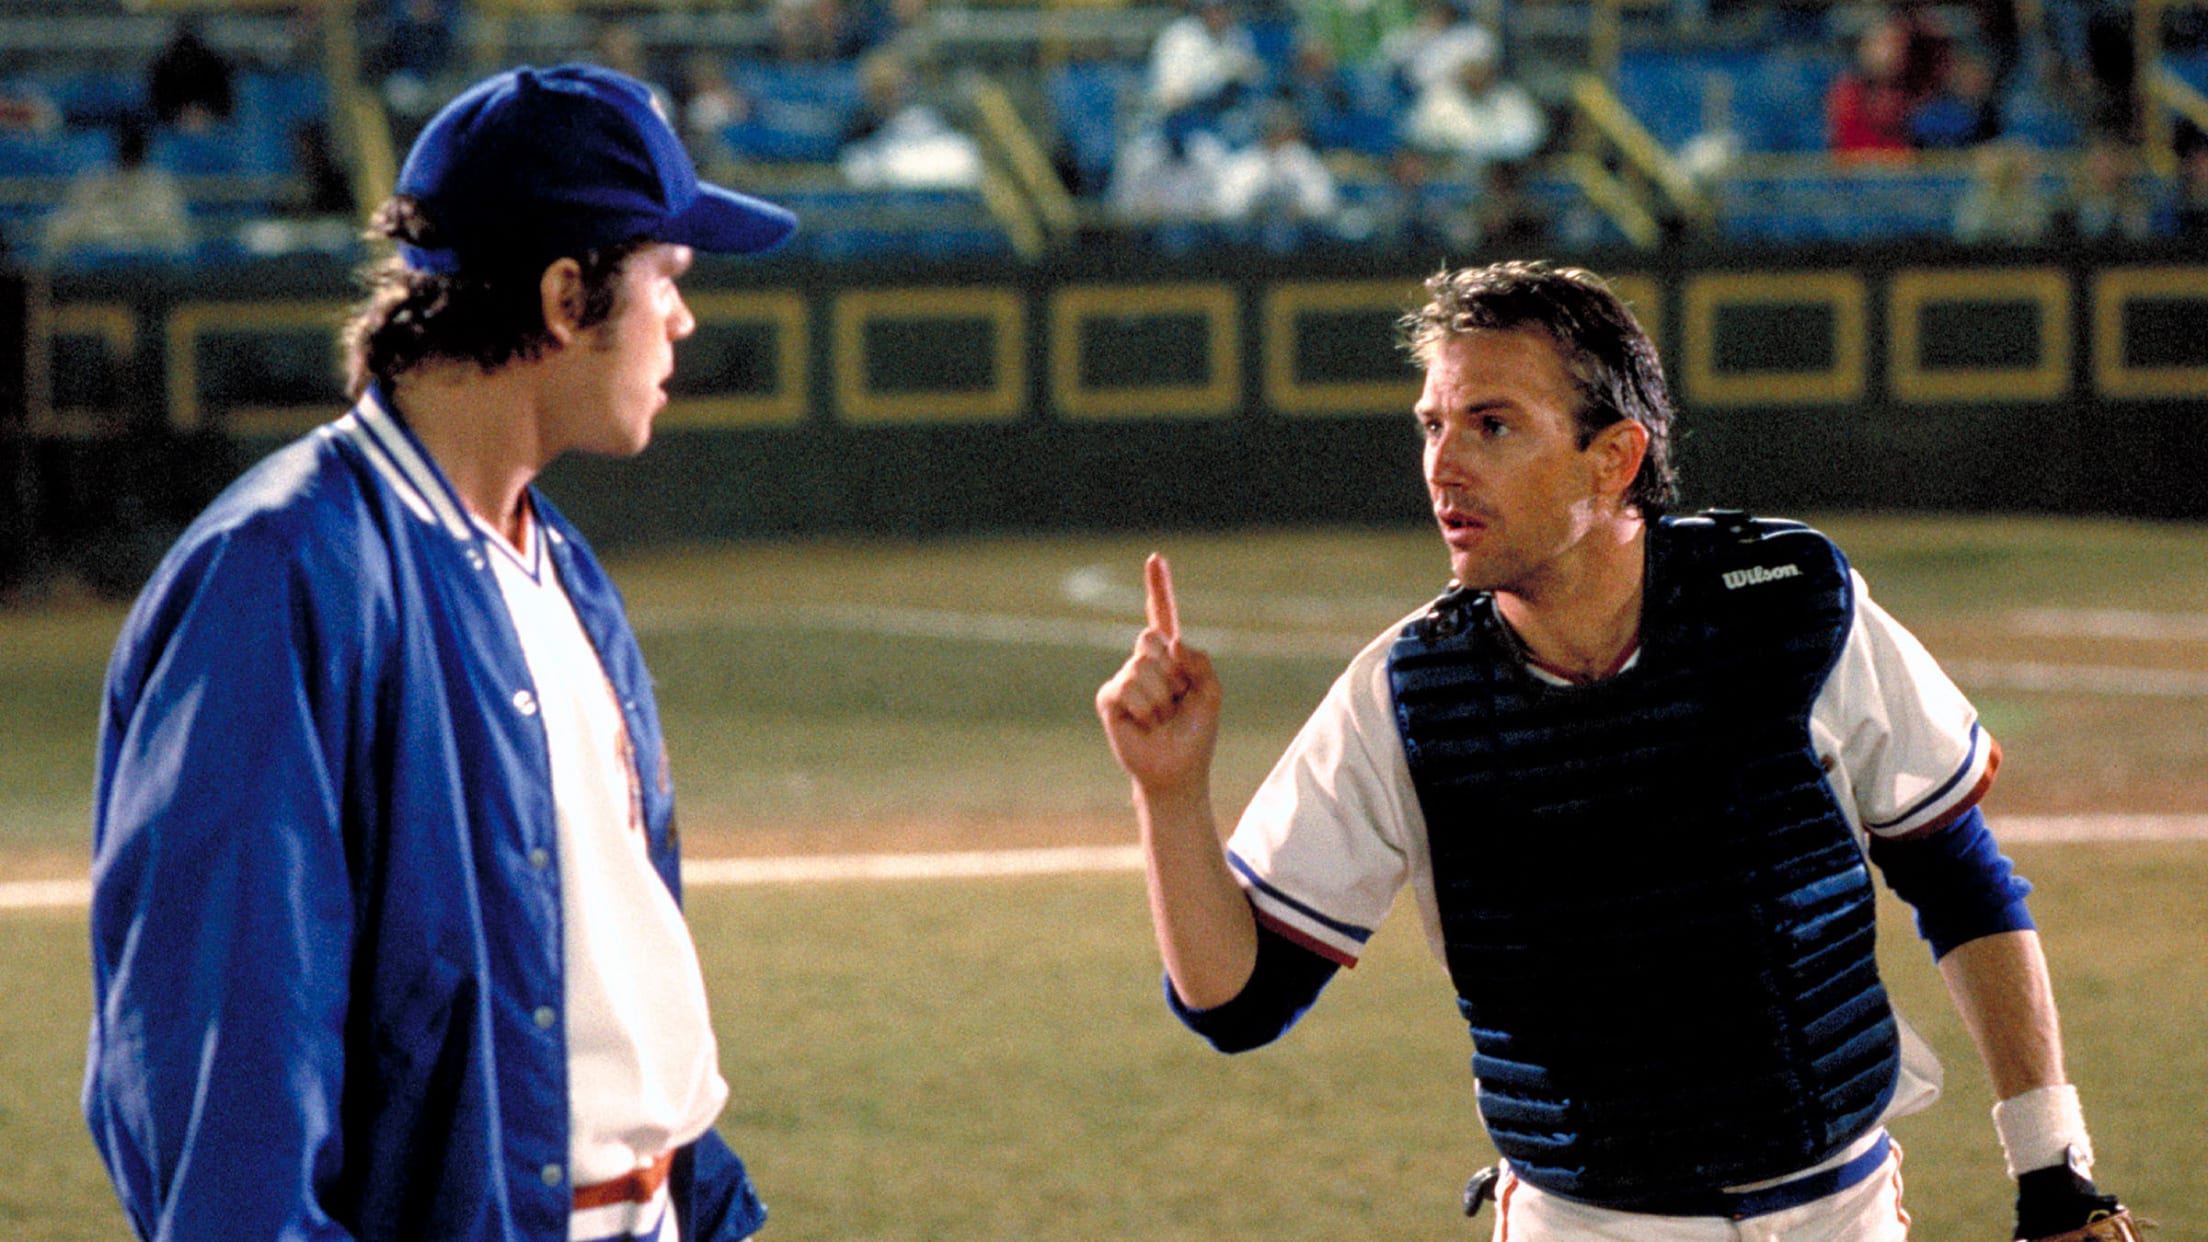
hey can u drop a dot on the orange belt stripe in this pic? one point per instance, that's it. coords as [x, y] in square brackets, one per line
[636, 1187]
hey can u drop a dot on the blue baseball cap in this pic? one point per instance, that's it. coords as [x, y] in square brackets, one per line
[532, 165]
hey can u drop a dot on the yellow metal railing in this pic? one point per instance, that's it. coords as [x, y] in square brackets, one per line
[1030, 177]
[2169, 94]
[1023, 155]
[1012, 210]
[1609, 127]
[364, 132]
[1614, 198]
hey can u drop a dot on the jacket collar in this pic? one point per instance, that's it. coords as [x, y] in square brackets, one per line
[374, 426]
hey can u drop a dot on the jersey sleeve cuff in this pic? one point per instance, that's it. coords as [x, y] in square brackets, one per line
[1337, 941]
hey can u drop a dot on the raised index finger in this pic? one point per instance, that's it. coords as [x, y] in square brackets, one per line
[1157, 581]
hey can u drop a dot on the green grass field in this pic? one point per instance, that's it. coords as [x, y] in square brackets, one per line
[991, 1059]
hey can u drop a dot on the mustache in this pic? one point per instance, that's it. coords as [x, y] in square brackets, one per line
[1450, 500]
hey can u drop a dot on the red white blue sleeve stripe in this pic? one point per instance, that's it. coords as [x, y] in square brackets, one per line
[1330, 938]
[1957, 794]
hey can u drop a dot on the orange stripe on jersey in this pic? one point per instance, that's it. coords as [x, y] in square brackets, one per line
[637, 1187]
[1502, 1206]
[1899, 1210]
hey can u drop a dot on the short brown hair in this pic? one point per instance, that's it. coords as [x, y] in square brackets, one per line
[1608, 355]
[489, 318]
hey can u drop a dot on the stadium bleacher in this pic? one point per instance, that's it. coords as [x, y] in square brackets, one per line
[1677, 73]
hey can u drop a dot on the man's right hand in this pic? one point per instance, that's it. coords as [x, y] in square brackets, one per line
[1161, 710]
[1161, 715]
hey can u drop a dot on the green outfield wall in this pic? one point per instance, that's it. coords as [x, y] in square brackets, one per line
[1120, 390]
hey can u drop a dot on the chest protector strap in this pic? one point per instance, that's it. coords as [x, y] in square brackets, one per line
[1658, 924]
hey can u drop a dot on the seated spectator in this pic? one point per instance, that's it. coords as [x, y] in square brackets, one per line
[2004, 206]
[1439, 39]
[188, 83]
[706, 103]
[1961, 111]
[1447, 221]
[1276, 191]
[1203, 66]
[901, 141]
[1154, 180]
[1473, 115]
[2106, 202]
[132, 206]
[1867, 109]
[1313, 85]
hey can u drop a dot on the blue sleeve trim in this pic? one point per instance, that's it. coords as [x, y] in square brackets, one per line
[1283, 986]
[1960, 884]
[1258, 882]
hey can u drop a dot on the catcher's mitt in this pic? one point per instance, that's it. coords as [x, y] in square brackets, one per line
[2061, 1204]
[2116, 1226]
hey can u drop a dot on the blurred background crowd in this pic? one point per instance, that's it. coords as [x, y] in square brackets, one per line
[1016, 127]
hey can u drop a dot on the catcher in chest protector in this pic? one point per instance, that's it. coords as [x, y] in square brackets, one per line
[1635, 769]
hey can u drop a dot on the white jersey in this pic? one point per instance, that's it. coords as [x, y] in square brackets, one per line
[643, 1066]
[1335, 831]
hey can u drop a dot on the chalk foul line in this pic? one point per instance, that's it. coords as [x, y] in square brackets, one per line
[1072, 860]
[1002, 629]
[961, 865]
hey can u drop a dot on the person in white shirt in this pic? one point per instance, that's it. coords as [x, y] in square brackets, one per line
[386, 930]
[1277, 185]
[1468, 111]
[133, 205]
[1203, 64]
[1634, 769]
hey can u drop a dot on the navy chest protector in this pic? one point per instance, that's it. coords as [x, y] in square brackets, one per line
[1659, 927]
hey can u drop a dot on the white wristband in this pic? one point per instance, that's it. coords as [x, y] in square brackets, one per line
[2041, 1128]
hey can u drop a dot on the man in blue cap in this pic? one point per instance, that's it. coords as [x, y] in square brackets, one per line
[385, 930]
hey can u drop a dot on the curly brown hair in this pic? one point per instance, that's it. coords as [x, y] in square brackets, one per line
[489, 317]
[1608, 355]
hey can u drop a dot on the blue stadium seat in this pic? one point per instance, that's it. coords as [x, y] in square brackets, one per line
[94, 257]
[833, 84]
[799, 113]
[1840, 207]
[1275, 41]
[96, 97]
[842, 222]
[1780, 106]
[241, 148]
[1366, 133]
[2029, 115]
[1664, 89]
[786, 133]
[1778, 96]
[966, 242]
[57, 155]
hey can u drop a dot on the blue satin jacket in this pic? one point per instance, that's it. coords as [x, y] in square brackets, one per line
[326, 912]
